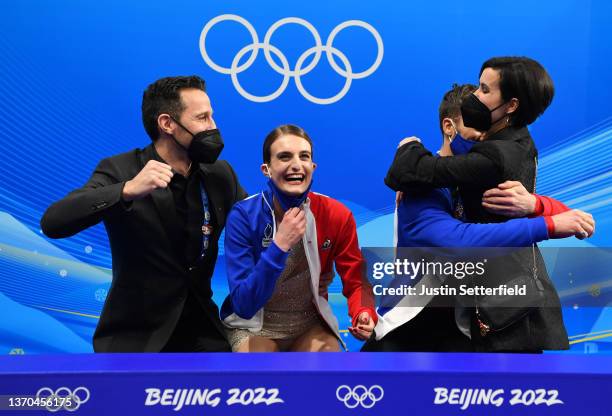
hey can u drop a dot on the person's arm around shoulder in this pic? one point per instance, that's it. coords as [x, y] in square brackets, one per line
[414, 165]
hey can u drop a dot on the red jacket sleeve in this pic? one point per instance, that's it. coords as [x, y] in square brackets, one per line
[351, 267]
[547, 207]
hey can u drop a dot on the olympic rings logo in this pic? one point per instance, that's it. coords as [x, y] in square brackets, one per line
[360, 395]
[285, 70]
[63, 398]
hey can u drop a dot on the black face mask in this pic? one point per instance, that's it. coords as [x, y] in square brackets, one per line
[476, 114]
[205, 147]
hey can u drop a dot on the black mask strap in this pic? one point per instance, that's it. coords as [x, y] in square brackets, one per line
[184, 128]
[491, 112]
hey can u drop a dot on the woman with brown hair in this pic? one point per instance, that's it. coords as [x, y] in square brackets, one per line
[279, 244]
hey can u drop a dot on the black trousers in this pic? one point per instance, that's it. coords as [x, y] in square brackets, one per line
[194, 332]
[433, 330]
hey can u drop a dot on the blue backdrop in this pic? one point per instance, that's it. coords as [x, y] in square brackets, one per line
[72, 75]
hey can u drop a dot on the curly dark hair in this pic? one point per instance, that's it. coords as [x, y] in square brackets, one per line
[163, 97]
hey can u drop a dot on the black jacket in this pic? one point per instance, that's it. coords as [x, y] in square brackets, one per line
[150, 278]
[510, 154]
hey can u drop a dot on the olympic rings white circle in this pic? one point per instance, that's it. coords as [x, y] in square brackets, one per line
[373, 32]
[73, 395]
[51, 396]
[242, 91]
[347, 83]
[315, 35]
[286, 70]
[76, 399]
[219, 19]
[359, 394]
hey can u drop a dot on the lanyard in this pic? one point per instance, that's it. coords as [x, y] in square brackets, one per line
[206, 227]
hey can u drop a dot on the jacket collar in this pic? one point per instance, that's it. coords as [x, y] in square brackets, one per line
[268, 197]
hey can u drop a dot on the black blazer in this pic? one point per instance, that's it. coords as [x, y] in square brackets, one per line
[150, 278]
[510, 154]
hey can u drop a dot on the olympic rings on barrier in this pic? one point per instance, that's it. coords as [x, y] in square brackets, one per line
[63, 393]
[285, 70]
[360, 395]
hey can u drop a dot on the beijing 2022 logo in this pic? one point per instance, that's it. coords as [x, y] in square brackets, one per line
[285, 70]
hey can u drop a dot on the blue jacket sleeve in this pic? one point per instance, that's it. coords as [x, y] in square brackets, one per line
[251, 280]
[443, 230]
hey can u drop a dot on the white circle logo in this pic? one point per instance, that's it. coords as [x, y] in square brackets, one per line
[359, 395]
[284, 69]
[64, 398]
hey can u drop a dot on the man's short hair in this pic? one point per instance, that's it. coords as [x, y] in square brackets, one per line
[281, 131]
[450, 107]
[525, 79]
[163, 97]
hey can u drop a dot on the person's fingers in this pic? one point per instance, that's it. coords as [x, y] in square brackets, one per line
[509, 184]
[154, 164]
[579, 232]
[498, 201]
[358, 333]
[367, 325]
[301, 218]
[499, 209]
[158, 183]
[495, 192]
[164, 176]
[162, 171]
[586, 217]
[292, 212]
[363, 334]
[587, 227]
[367, 328]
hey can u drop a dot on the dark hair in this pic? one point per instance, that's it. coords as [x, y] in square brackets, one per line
[281, 131]
[526, 80]
[450, 107]
[163, 96]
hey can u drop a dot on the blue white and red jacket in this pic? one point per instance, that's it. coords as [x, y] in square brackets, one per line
[254, 261]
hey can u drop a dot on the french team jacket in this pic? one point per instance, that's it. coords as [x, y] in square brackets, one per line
[254, 262]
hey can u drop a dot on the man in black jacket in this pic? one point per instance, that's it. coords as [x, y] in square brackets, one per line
[164, 207]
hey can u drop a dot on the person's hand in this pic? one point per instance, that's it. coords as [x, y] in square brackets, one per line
[408, 140]
[509, 199]
[324, 281]
[153, 176]
[291, 229]
[573, 223]
[365, 327]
